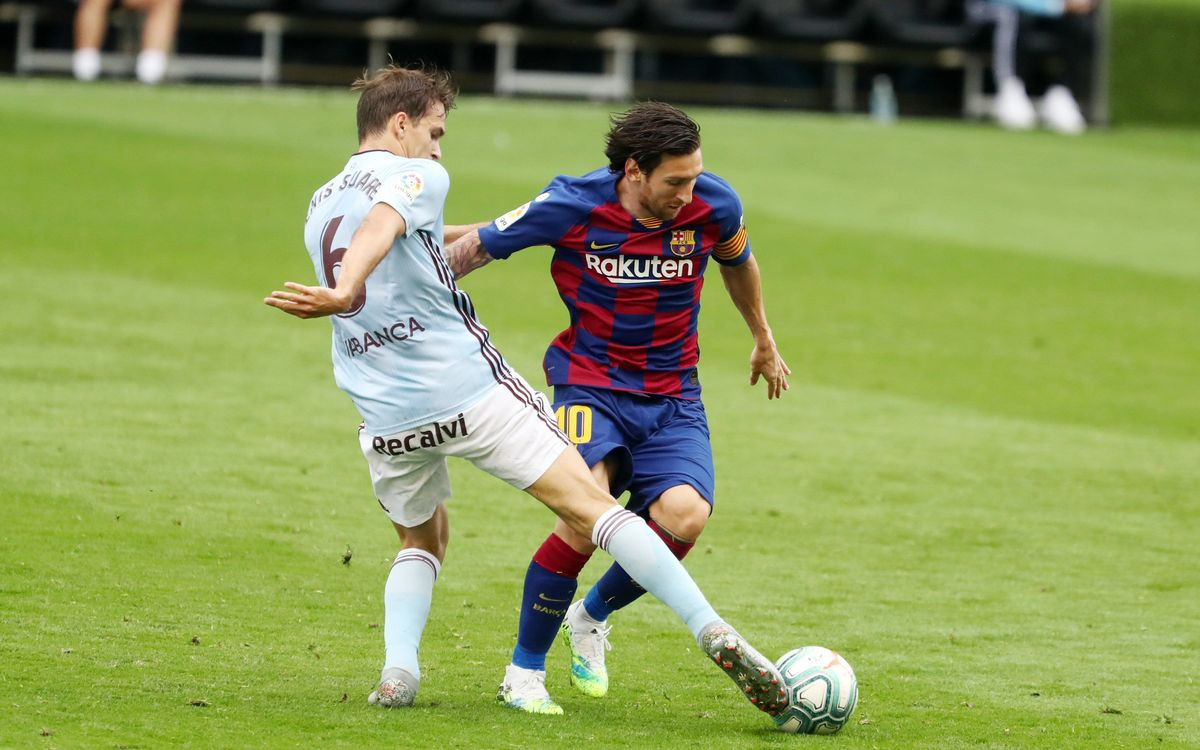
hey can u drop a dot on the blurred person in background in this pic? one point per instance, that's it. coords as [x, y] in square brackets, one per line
[158, 33]
[1061, 71]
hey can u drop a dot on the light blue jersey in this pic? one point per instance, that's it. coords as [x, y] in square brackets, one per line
[1037, 7]
[409, 351]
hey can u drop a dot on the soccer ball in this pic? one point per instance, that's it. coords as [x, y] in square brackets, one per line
[822, 691]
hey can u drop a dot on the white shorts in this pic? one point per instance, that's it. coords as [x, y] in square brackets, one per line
[510, 433]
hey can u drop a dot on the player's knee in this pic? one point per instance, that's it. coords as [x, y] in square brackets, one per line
[682, 512]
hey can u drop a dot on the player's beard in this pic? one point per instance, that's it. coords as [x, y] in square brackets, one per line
[663, 212]
[669, 214]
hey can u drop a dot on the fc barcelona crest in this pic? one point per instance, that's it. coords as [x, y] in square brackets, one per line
[683, 242]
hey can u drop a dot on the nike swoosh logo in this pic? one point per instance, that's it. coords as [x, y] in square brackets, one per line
[594, 246]
[545, 598]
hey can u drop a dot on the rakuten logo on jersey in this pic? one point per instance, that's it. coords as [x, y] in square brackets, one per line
[634, 269]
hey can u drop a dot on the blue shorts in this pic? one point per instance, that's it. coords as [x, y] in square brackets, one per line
[657, 442]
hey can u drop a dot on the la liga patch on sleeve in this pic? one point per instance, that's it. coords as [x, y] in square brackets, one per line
[408, 185]
[510, 218]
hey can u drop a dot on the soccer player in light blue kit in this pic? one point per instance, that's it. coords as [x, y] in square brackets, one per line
[421, 370]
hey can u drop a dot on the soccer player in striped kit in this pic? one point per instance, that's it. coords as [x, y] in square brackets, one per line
[419, 366]
[631, 242]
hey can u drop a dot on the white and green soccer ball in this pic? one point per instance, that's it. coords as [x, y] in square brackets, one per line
[821, 688]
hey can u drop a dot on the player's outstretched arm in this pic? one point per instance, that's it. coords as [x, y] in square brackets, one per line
[744, 284]
[466, 254]
[453, 232]
[369, 245]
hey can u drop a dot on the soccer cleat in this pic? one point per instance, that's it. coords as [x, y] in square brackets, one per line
[757, 678]
[525, 690]
[588, 641]
[397, 687]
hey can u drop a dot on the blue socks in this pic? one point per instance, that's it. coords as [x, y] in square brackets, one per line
[614, 590]
[552, 578]
[550, 584]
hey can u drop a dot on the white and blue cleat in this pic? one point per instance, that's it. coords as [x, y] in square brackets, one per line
[587, 641]
[525, 690]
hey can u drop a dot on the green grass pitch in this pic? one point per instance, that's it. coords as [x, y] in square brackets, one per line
[983, 487]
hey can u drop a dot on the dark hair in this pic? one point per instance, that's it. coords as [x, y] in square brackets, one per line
[394, 89]
[648, 132]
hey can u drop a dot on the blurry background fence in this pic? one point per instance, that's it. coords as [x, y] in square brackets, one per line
[816, 54]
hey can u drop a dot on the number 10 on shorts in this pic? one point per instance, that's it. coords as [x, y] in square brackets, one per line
[576, 422]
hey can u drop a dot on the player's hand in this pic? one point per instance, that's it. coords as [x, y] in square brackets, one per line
[1080, 6]
[309, 301]
[765, 362]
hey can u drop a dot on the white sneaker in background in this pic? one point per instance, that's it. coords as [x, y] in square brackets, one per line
[1012, 108]
[1060, 112]
[85, 64]
[151, 66]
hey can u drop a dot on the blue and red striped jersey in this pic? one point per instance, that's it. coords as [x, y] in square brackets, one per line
[631, 286]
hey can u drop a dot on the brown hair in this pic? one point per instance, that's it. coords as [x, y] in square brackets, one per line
[394, 89]
[646, 133]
